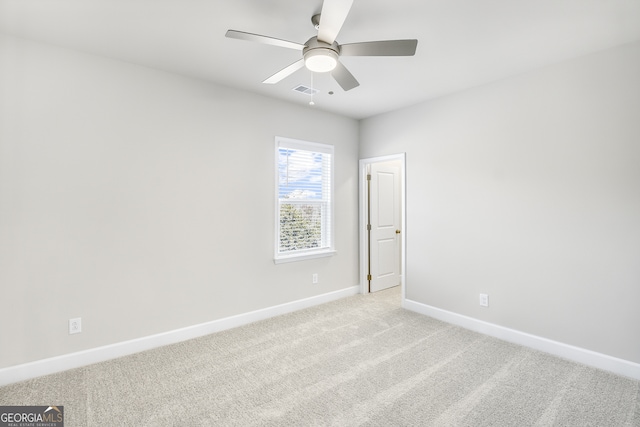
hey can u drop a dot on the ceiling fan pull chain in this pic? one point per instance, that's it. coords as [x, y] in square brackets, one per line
[312, 90]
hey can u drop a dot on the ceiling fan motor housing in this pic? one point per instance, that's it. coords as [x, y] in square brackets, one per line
[320, 56]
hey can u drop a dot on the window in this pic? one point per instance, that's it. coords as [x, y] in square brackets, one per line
[304, 195]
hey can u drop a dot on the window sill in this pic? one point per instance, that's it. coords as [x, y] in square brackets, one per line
[302, 257]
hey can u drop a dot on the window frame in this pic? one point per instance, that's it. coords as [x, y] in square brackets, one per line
[327, 224]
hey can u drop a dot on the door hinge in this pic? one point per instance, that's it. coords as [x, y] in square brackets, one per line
[368, 277]
[368, 227]
[369, 177]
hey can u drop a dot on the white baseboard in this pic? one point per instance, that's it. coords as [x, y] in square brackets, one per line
[65, 362]
[569, 352]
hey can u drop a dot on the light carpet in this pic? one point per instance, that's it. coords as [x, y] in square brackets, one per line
[359, 361]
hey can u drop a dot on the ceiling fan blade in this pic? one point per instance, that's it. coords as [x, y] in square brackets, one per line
[240, 35]
[333, 15]
[285, 72]
[380, 48]
[344, 78]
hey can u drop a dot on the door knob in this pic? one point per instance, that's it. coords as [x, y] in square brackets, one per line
[397, 231]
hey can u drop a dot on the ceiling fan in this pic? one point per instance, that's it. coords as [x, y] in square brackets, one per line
[322, 53]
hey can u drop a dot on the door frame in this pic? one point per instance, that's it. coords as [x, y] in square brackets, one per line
[364, 249]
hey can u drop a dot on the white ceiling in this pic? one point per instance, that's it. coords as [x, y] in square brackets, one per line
[461, 43]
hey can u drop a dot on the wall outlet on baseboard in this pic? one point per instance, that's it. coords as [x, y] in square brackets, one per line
[75, 325]
[484, 300]
[314, 278]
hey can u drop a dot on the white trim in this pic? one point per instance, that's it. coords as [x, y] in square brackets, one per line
[298, 144]
[301, 256]
[52, 365]
[362, 183]
[575, 354]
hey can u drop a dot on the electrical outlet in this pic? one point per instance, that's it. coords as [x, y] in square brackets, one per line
[314, 278]
[484, 300]
[75, 325]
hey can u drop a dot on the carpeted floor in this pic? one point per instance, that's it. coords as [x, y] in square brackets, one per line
[360, 361]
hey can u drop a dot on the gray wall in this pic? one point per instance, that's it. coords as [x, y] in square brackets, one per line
[528, 189]
[143, 202]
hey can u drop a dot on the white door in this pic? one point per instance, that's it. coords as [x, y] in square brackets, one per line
[384, 217]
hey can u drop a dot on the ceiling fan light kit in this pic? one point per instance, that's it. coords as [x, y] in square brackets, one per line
[320, 61]
[320, 57]
[321, 54]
